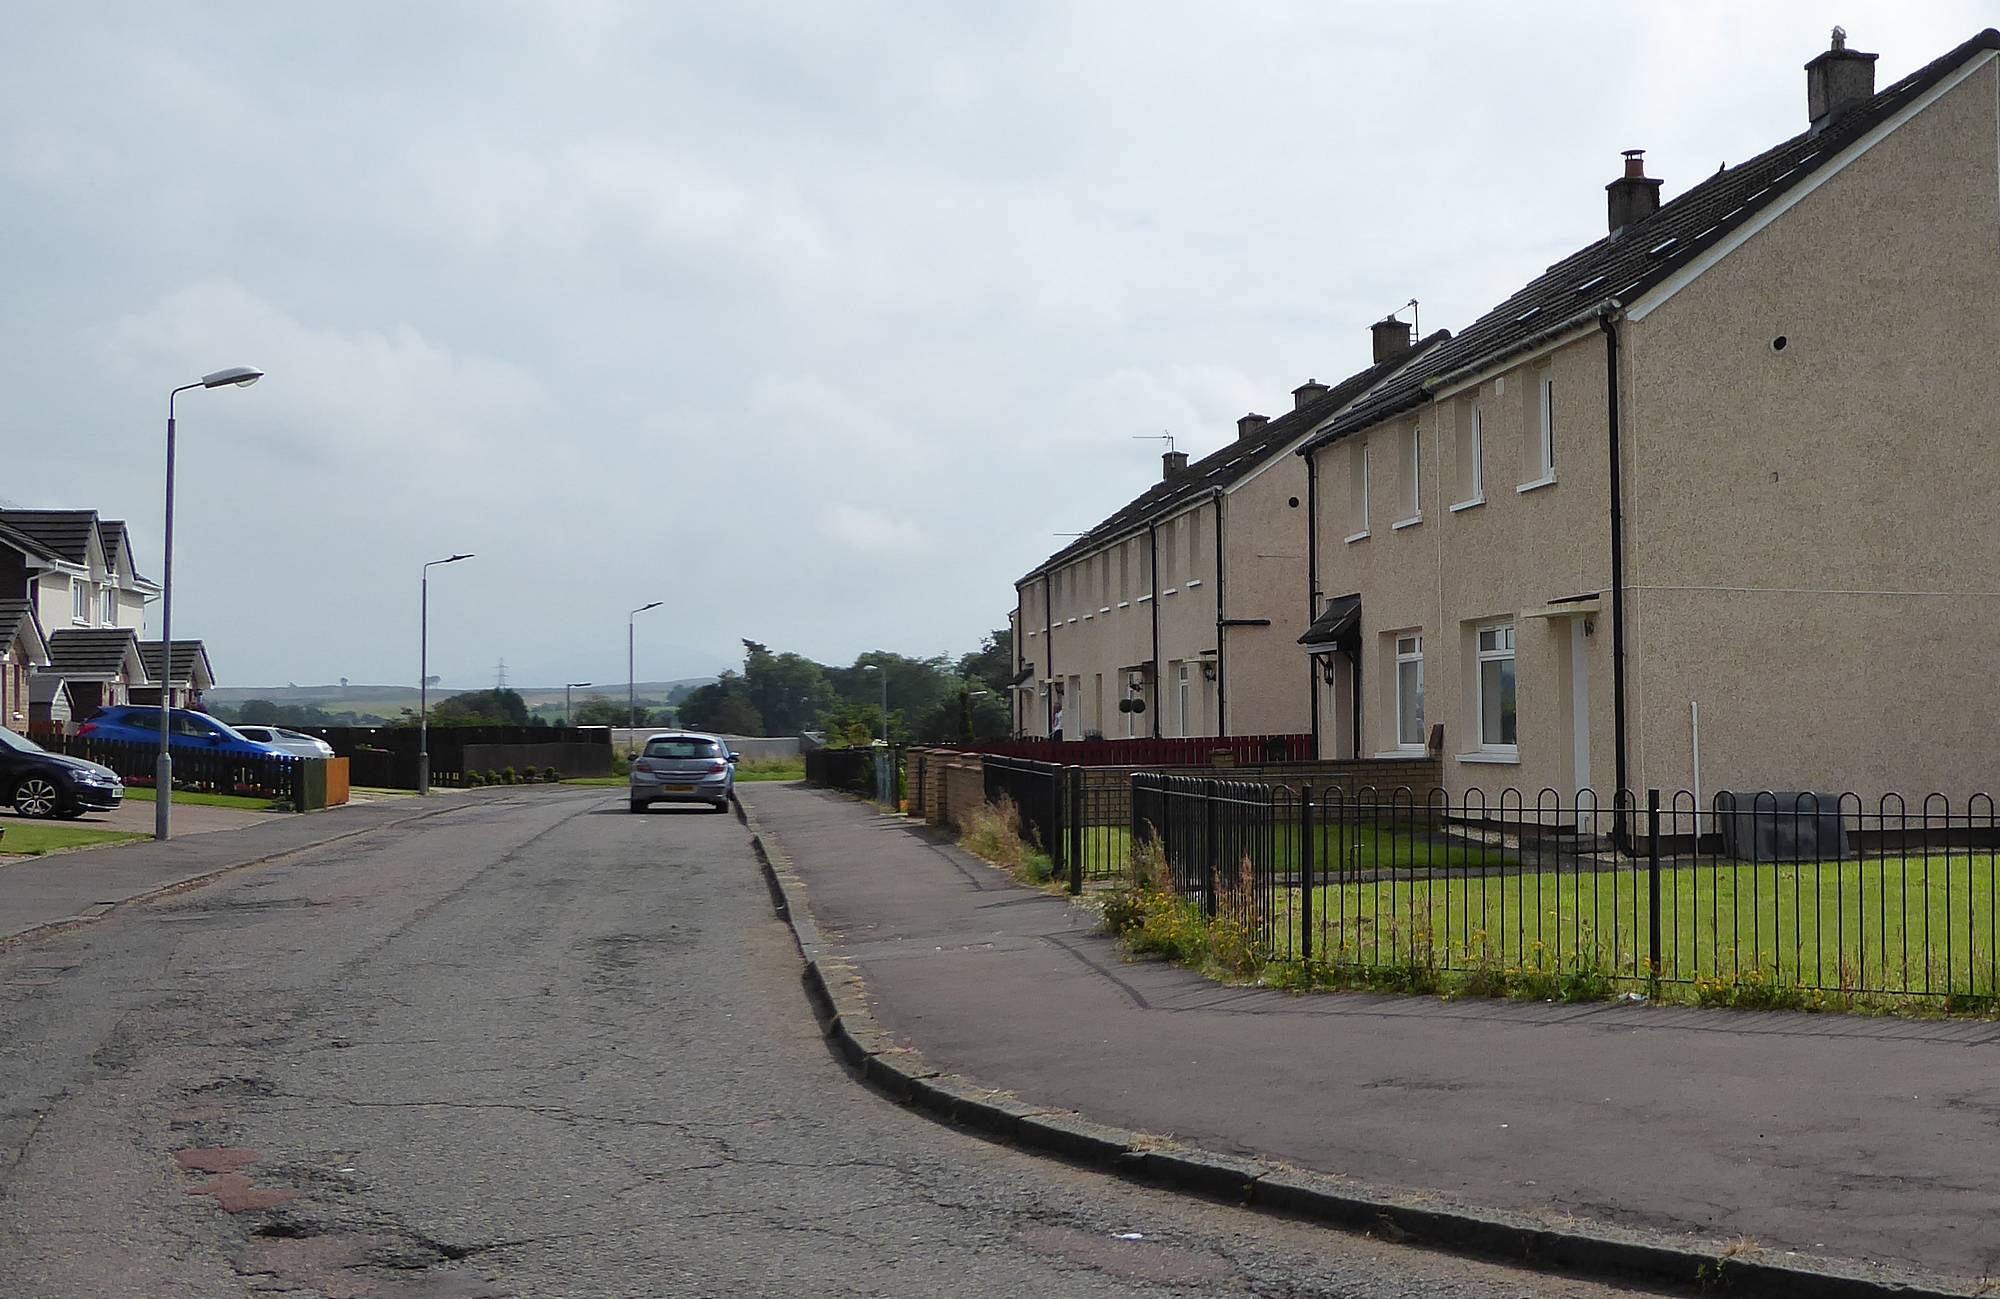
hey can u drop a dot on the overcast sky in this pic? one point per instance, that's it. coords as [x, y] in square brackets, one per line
[817, 321]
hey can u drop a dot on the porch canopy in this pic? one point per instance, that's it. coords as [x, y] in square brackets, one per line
[1338, 627]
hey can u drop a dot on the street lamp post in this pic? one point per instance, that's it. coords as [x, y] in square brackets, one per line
[631, 688]
[870, 667]
[424, 675]
[241, 376]
[567, 687]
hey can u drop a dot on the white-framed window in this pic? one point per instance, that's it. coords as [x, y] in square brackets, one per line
[1183, 694]
[107, 607]
[1545, 428]
[1413, 474]
[1494, 687]
[1410, 692]
[79, 595]
[1358, 492]
[1471, 460]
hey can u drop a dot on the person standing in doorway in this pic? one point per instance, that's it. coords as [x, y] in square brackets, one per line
[1055, 723]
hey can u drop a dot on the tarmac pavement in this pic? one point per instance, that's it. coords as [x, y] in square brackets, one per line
[1800, 1136]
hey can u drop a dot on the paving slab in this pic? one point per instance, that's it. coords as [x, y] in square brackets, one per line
[1807, 1136]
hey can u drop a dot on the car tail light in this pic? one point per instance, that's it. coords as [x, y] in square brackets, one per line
[717, 768]
[86, 728]
[643, 766]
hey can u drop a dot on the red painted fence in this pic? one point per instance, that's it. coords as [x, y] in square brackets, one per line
[1243, 750]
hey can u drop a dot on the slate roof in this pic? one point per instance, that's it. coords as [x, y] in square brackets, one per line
[1234, 462]
[46, 689]
[63, 533]
[14, 613]
[1618, 268]
[118, 541]
[189, 655]
[90, 653]
[21, 541]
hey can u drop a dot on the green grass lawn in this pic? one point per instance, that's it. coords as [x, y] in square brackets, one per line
[1915, 925]
[606, 781]
[33, 838]
[1107, 849]
[184, 798]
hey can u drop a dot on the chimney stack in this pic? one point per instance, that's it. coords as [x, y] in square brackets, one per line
[1309, 391]
[1836, 81]
[1172, 463]
[1251, 423]
[1632, 197]
[1392, 339]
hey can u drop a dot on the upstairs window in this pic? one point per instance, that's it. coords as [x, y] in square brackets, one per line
[1545, 428]
[79, 594]
[1412, 474]
[1357, 487]
[1471, 458]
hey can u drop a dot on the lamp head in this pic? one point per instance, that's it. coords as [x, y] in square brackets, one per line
[240, 375]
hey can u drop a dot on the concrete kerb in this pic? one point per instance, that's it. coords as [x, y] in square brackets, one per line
[50, 928]
[899, 1071]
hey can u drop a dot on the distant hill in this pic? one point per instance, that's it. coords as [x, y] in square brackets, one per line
[387, 701]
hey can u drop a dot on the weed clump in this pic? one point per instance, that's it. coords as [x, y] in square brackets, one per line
[993, 832]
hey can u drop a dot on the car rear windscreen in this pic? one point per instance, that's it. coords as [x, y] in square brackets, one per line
[683, 749]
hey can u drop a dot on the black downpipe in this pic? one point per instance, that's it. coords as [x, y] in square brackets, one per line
[1153, 576]
[1018, 713]
[1221, 631]
[1610, 328]
[1312, 589]
[1354, 694]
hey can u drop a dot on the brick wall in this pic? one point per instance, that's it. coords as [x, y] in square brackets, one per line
[944, 785]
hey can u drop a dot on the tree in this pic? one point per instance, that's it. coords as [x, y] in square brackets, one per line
[788, 690]
[259, 712]
[993, 662]
[722, 705]
[496, 707]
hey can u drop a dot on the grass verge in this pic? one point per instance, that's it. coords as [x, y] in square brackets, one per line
[33, 838]
[993, 832]
[185, 798]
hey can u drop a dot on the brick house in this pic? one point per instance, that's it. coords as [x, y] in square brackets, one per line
[1176, 615]
[1707, 504]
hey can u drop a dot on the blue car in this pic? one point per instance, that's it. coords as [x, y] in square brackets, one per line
[186, 729]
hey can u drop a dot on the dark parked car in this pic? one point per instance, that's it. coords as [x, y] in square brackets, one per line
[130, 724]
[39, 783]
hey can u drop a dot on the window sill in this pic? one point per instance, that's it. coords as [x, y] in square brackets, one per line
[1105, 609]
[1472, 504]
[1170, 590]
[1068, 621]
[1144, 598]
[1193, 583]
[1496, 757]
[1548, 480]
[1402, 755]
[1353, 537]
[1126, 604]
[1410, 522]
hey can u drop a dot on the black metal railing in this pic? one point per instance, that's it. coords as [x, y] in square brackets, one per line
[1039, 791]
[195, 768]
[852, 770]
[1749, 891]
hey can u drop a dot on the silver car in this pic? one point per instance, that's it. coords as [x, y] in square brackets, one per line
[683, 767]
[292, 742]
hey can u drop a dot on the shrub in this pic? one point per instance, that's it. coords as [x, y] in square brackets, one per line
[550, 775]
[473, 780]
[493, 778]
[509, 775]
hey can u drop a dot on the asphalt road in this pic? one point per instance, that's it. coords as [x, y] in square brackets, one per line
[538, 1047]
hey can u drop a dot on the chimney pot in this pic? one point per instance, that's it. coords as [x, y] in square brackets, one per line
[1392, 339]
[1309, 391]
[1836, 81]
[1632, 197]
[1251, 423]
[1173, 462]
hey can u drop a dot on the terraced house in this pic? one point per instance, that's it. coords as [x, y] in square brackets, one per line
[1176, 616]
[1708, 504]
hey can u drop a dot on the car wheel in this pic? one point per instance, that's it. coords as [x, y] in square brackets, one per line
[36, 796]
[722, 805]
[637, 806]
